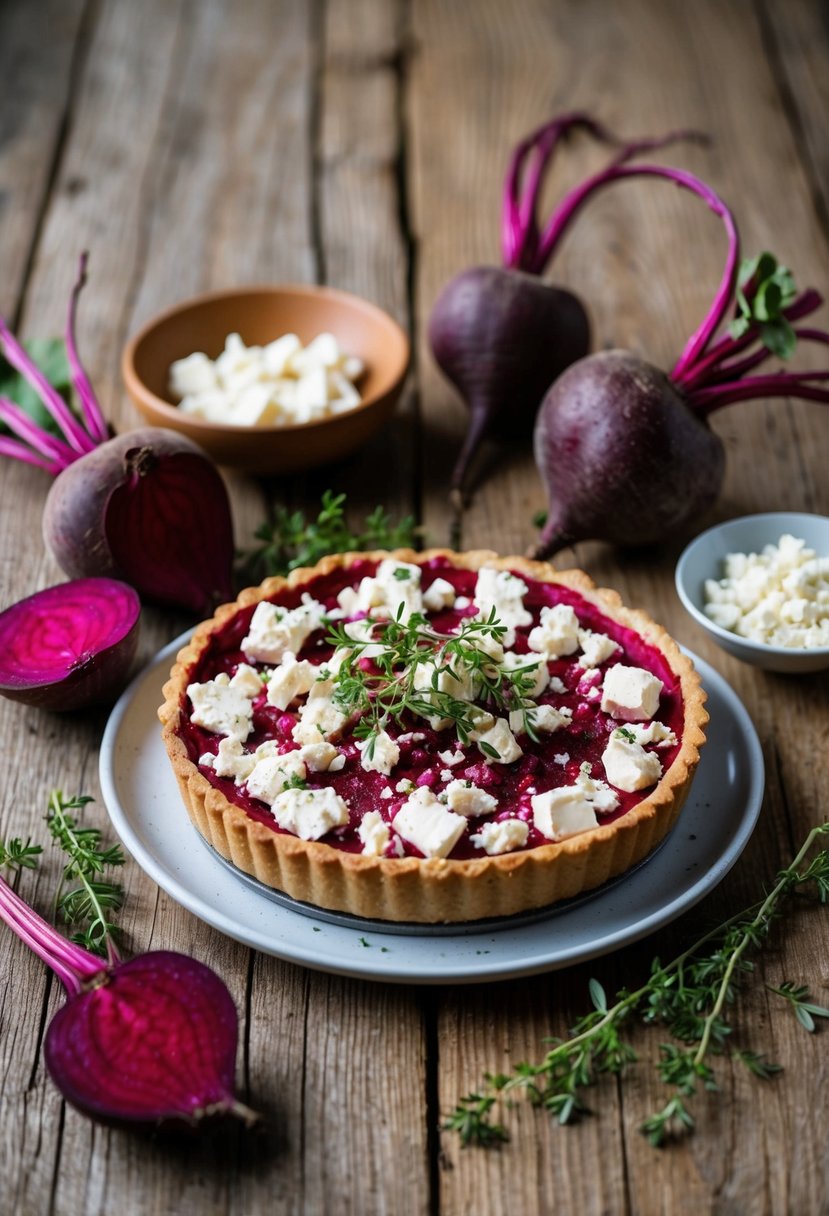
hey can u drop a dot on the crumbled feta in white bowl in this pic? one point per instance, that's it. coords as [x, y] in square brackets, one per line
[759, 585]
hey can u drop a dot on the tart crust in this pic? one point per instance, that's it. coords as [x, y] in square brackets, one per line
[434, 890]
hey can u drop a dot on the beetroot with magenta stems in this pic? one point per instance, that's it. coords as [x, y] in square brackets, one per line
[501, 334]
[625, 450]
[148, 507]
[149, 1043]
[70, 646]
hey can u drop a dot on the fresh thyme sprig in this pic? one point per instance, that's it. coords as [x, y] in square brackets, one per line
[374, 693]
[17, 854]
[799, 998]
[689, 996]
[93, 897]
[290, 540]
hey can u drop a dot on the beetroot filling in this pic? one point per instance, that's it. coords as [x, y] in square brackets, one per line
[513, 784]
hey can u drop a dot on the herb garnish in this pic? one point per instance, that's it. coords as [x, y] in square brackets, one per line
[384, 690]
[17, 854]
[93, 896]
[689, 996]
[290, 540]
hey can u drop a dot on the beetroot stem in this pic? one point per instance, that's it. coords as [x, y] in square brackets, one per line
[19, 451]
[70, 962]
[726, 347]
[94, 419]
[572, 203]
[35, 436]
[783, 384]
[729, 373]
[522, 248]
[519, 232]
[76, 436]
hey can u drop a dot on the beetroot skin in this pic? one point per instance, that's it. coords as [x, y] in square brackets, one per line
[502, 336]
[148, 507]
[624, 458]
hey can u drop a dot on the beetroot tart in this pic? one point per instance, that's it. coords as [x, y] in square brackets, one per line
[432, 737]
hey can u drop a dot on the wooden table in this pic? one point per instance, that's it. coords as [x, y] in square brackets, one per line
[362, 143]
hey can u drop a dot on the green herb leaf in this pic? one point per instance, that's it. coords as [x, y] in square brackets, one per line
[764, 290]
[16, 854]
[92, 897]
[371, 697]
[689, 997]
[49, 354]
[290, 540]
[804, 1008]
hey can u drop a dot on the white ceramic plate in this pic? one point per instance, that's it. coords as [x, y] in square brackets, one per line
[145, 808]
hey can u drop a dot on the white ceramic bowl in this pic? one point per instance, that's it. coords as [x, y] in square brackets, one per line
[704, 558]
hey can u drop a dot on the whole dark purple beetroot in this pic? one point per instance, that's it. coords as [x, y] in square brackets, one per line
[624, 459]
[502, 336]
[624, 450]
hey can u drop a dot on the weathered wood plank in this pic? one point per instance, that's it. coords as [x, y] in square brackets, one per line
[180, 175]
[37, 54]
[706, 69]
[143, 182]
[359, 209]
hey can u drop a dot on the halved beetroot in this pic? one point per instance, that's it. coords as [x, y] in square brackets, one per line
[69, 646]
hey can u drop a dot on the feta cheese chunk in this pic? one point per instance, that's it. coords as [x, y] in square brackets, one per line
[382, 757]
[277, 384]
[557, 632]
[427, 824]
[627, 765]
[290, 680]
[195, 374]
[468, 799]
[394, 589]
[272, 773]
[503, 592]
[630, 693]
[458, 680]
[499, 740]
[654, 732]
[309, 814]
[596, 648]
[320, 757]
[230, 761]
[502, 837]
[779, 597]
[563, 812]
[374, 834]
[224, 706]
[274, 631]
[598, 793]
[319, 716]
[440, 594]
[545, 718]
[451, 758]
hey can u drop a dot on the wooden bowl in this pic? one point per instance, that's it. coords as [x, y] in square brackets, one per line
[260, 314]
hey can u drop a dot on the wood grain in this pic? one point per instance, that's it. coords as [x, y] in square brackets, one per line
[712, 63]
[363, 143]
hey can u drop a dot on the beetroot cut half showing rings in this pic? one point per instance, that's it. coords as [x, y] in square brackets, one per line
[69, 646]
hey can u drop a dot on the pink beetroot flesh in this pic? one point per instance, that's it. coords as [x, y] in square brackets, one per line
[150, 1040]
[70, 645]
